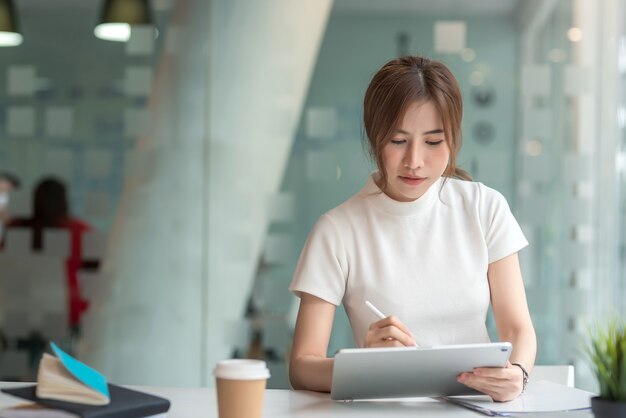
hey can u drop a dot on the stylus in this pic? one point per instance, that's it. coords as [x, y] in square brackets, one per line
[377, 312]
[374, 309]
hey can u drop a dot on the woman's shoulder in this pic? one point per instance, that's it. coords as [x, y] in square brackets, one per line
[474, 191]
[473, 197]
[343, 217]
[349, 208]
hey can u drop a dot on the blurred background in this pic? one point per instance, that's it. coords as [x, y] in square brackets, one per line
[162, 162]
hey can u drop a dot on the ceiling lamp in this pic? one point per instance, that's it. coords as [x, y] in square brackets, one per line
[119, 15]
[9, 35]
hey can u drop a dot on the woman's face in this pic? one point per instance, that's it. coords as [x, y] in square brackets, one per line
[417, 154]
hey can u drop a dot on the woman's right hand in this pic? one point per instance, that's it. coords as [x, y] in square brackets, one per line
[389, 332]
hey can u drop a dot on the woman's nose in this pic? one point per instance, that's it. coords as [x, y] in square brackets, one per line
[414, 158]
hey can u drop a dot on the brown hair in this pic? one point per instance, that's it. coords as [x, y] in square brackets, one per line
[397, 85]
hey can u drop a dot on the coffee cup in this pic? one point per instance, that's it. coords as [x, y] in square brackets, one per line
[240, 388]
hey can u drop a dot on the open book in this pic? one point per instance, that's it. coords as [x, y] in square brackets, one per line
[66, 379]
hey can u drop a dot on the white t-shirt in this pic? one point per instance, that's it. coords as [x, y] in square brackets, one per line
[424, 261]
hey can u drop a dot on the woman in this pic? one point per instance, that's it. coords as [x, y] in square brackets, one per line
[51, 210]
[419, 241]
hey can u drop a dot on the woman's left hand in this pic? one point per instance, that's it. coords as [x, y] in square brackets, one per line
[502, 384]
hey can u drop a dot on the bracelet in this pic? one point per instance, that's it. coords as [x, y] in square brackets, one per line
[525, 378]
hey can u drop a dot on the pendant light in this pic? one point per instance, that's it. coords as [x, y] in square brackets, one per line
[9, 35]
[118, 16]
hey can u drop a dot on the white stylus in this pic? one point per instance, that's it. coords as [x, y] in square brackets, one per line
[374, 309]
[378, 313]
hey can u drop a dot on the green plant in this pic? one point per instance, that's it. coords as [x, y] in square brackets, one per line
[607, 354]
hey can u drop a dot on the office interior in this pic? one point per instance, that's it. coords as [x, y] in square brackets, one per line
[201, 149]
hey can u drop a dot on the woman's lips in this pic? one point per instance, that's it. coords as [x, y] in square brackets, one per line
[413, 181]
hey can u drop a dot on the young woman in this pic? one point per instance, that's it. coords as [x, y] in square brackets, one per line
[421, 241]
[51, 210]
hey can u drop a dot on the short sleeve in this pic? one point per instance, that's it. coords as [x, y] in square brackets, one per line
[503, 235]
[321, 269]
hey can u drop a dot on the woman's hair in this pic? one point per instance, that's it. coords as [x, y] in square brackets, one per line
[400, 83]
[50, 206]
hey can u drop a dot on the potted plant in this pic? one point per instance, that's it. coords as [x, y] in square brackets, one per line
[607, 354]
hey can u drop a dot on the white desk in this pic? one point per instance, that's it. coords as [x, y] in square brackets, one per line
[202, 403]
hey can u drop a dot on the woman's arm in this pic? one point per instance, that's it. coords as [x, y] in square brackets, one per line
[510, 310]
[309, 368]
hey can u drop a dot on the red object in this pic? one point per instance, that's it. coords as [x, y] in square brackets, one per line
[77, 304]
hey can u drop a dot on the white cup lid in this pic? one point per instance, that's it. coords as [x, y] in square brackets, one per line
[241, 369]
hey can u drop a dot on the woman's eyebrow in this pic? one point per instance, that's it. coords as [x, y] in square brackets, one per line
[400, 131]
[434, 131]
[431, 132]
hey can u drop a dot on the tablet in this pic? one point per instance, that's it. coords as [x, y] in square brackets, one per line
[369, 373]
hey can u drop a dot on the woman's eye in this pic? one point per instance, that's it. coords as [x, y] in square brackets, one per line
[398, 141]
[434, 143]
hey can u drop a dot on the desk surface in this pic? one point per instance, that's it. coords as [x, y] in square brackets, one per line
[202, 403]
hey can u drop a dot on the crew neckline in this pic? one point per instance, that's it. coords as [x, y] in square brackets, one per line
[395, 207]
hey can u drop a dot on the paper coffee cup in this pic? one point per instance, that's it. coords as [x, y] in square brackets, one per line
[241, 388]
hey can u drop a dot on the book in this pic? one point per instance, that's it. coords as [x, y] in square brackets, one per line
[125, 403]
[66, 379]
[67, 385]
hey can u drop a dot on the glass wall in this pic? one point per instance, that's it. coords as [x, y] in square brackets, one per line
[197, 162]
[555, 178]
[74, 117]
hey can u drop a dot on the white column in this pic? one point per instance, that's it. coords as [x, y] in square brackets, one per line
[185, 244]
